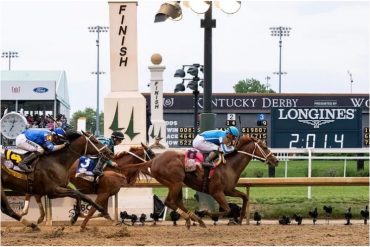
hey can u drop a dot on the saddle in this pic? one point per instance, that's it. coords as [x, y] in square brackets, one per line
[14, 156]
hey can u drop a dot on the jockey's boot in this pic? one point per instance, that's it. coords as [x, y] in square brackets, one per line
[28, 159]
[208, 160]
[98, 170]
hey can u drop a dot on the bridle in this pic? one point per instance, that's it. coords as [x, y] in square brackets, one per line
[88, 140]
[256, 145]
[146, 156]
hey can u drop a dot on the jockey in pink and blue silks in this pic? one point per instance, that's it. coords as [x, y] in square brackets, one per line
[215, 141]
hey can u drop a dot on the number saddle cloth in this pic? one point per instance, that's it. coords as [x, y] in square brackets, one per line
[85, 167]
[194, 158]
[13, 157]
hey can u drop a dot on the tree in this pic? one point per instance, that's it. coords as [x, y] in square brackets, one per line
[90, 115]
[251, 86]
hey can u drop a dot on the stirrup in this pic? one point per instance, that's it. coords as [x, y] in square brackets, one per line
[25, 168]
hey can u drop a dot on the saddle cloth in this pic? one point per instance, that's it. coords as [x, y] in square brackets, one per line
[13, 157]
[193, 158]
[85, 167]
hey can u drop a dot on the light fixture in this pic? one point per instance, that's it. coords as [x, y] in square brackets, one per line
[198, 6]
[229, 7]
[180, 73]
[180, 87]
[193, 85]
[193, 70]
[169, 9]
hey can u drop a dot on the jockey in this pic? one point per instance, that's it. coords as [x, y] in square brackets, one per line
[38, 141]
[115, 139]
[215, 141]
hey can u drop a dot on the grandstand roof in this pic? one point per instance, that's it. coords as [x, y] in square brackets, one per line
[57, 76]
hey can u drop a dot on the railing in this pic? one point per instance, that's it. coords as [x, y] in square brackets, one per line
[247, 183]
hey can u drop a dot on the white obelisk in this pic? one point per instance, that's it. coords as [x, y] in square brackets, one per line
[158, 127]
[124, 106]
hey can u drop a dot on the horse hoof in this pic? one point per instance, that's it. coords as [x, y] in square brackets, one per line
[107, 216]
[35, 227]
[201, 224]
[83, 229]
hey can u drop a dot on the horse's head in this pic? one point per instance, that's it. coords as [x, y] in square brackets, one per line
[85, 143]
[257, 149]
[148, 151]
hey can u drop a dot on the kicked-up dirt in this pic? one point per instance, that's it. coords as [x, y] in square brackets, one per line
[164, 233]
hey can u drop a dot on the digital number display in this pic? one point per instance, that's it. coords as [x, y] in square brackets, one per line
[330, 127]
[366, 136]
[258, 132]
[186, 136]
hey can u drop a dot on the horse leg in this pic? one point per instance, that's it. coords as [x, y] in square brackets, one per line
[6, 209]
[244, 197]
[194, 217]
[174, 191]
[41, 209]
[221, 199]
[77, 212]
[64, 192]
[26, 206]
[101, 199]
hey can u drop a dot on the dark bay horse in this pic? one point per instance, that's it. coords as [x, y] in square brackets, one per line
[50, 176]
[109, 184]
[168, 169]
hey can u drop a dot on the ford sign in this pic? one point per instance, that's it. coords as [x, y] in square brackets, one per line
[40, 90]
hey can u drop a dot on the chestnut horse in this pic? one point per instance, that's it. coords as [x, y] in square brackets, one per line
[109, 184]
[168, 169]
[51, 173]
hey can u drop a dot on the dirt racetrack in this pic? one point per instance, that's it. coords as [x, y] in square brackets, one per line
[269, 233]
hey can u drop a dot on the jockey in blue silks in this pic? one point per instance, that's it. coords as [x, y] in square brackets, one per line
[215, 141]
[38, 141]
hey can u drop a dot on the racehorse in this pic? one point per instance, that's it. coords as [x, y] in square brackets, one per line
[109, 184]
[50, 175]
[168, 169]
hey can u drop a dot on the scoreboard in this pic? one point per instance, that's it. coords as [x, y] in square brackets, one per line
[281, 120]
[180, 129]
[316, 127]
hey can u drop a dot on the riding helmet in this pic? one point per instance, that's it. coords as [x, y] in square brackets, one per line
[60, 132]
[117, 135]
[233, 131]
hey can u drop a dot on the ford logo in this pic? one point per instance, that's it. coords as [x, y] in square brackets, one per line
[40, 90]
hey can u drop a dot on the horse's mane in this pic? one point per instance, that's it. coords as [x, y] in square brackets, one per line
[245, 139]
[132, 149]
[72, 135]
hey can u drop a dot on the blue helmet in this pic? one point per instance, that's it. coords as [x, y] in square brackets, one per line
[232, 131]
[60, 133]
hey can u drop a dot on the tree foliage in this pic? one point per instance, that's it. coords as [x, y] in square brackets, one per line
[90, 115]
[251, 86]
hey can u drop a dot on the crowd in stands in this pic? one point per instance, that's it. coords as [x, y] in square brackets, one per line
[42, 121]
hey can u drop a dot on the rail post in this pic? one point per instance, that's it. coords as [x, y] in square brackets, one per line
[248, 205]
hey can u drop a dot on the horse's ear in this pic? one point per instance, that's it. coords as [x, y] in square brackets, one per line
[144, 146]
[83, 132]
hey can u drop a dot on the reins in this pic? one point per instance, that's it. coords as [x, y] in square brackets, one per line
[256, 145]
[146, 156]
[87, 138]
[131, 153]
